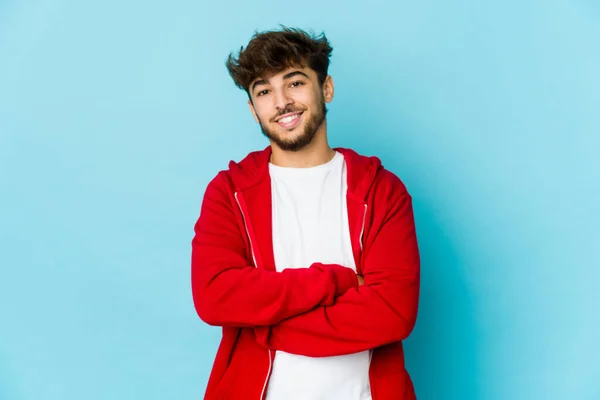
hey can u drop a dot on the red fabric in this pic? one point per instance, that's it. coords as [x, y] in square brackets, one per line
[316, 311]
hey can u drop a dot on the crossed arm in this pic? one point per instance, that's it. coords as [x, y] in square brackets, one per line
[318, 311]
[229, 292]
[381, 311]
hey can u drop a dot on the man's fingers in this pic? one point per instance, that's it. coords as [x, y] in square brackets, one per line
[361, 280]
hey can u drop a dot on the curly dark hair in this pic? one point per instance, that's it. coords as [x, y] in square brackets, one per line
[271, 52]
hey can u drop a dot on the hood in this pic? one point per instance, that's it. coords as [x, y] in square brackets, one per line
[254, 167]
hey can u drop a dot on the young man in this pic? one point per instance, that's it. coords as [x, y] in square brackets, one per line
[305, 255]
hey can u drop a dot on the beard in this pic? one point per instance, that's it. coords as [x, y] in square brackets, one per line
[306, 137]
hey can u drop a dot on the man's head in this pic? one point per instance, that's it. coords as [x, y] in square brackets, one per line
[285, 75]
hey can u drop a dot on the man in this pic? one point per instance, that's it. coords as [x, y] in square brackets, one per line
[305, 255]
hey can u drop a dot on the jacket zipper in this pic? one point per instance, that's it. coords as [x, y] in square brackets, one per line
[264, 390]
[362, 231]
[246, 226]
[262, 394]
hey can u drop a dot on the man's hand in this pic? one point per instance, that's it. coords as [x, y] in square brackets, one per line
[361, 280]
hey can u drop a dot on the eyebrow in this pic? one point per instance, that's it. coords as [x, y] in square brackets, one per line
[285, 77]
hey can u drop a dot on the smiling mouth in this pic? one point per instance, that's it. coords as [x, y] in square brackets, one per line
[290, 121]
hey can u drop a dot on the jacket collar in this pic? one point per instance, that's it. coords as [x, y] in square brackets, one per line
[361, 170]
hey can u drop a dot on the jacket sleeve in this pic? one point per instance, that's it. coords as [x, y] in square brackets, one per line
[381, 311]
[228, 291]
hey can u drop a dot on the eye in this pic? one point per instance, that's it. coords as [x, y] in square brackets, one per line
[297, 83]
[262, 92]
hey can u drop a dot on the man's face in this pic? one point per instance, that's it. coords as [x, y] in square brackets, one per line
[290, 106]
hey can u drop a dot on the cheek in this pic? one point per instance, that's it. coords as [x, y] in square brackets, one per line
[313, 99]
[306, 97]
[262, 113]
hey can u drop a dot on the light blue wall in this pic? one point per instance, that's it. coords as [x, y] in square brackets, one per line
[115, 115]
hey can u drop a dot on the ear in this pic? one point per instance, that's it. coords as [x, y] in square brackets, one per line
[328, 89]
[253, 111]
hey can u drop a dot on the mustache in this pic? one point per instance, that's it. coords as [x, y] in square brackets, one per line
[286, 110]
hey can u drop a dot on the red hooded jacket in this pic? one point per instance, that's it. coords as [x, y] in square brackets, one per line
[316, 311]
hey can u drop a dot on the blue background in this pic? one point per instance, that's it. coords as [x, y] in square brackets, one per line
[115, 115]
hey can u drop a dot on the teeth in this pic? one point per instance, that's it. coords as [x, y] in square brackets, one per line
[289, 119]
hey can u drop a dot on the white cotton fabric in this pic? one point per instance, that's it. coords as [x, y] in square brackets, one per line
[310, 224]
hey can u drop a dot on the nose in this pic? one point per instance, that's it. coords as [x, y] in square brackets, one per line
[282, 100]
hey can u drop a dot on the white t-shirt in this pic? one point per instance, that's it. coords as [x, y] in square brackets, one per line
[310, 224]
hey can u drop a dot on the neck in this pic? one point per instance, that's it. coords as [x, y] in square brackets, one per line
[316, 153]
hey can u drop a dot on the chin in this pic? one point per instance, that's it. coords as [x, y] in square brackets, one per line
[289, 135]
[290, 140]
